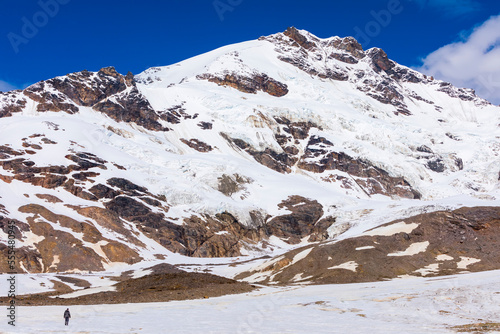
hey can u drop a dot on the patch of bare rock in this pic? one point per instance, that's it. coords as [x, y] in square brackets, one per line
[430, 244]
[164, 284]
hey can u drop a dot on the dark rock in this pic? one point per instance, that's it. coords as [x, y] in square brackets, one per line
[87, 88]
[424, 149]
[301, 222]
[126, 185]
[49, 101]
[84, 176]
[466, 232]
[78, 191]
[452, 136]
[12, 103]
[436, 165]
[299, 39]
[380, 60]
[197, 145]
[102, 191]
[250, 84]
[132, 210]
[459, 163]
[279, 162]
[320, 156]
[83, 163]
[175, 114]
[230, 184]
[351, 45]
[205, 125]
[344, 58]
[131, 107]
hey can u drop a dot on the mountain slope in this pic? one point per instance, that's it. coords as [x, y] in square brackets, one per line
[247, 149]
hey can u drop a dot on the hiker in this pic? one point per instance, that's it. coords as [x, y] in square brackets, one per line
[67, 315]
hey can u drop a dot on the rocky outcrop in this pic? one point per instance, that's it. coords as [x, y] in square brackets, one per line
[197, 145]
[106, 91]
[88, 88]
[231, 184]
[176, 114]
[48, 100]
[380, 61]
[432, 244]
[305, 220]
[248, 84]
[321, 57]
[131, 106]
[54, 176]
[162, 285]
[205, 125]
[348, 44]
[77, 89]
[279, 162]
[299, 39]
[13, 102]
[320, 155]
[223, 235]
[61, 251]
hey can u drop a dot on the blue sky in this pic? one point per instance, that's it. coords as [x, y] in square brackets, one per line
[46, 38]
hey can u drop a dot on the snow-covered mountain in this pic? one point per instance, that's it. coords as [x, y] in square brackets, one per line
[250, 149]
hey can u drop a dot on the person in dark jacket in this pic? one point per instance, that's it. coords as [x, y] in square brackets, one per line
[67, 315]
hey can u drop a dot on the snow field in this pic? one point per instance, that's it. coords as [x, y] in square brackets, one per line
[416, 305]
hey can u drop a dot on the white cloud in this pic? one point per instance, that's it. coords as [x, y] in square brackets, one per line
[450, 8]
[473, 62]
[5, 86]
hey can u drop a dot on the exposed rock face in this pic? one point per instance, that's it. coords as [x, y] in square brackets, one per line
[131, 106]
[299, 39]
[176, 113]
[49, 101]
[251, 84]
[439, 243]
[163, 285]
[380, 60]
[305, 220]
[205, 125]
[61, 251]
[297, 48]
[107, 91]
[128, 203]
[13, 103]
[320, 57]
[197, 145]
[230, 184]
[223, 234]
[87, 88]
[279, 162]
[320, 155]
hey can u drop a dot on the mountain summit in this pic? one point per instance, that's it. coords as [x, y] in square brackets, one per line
[251, 148]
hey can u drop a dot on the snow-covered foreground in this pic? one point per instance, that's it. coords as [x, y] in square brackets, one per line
[417, 305]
